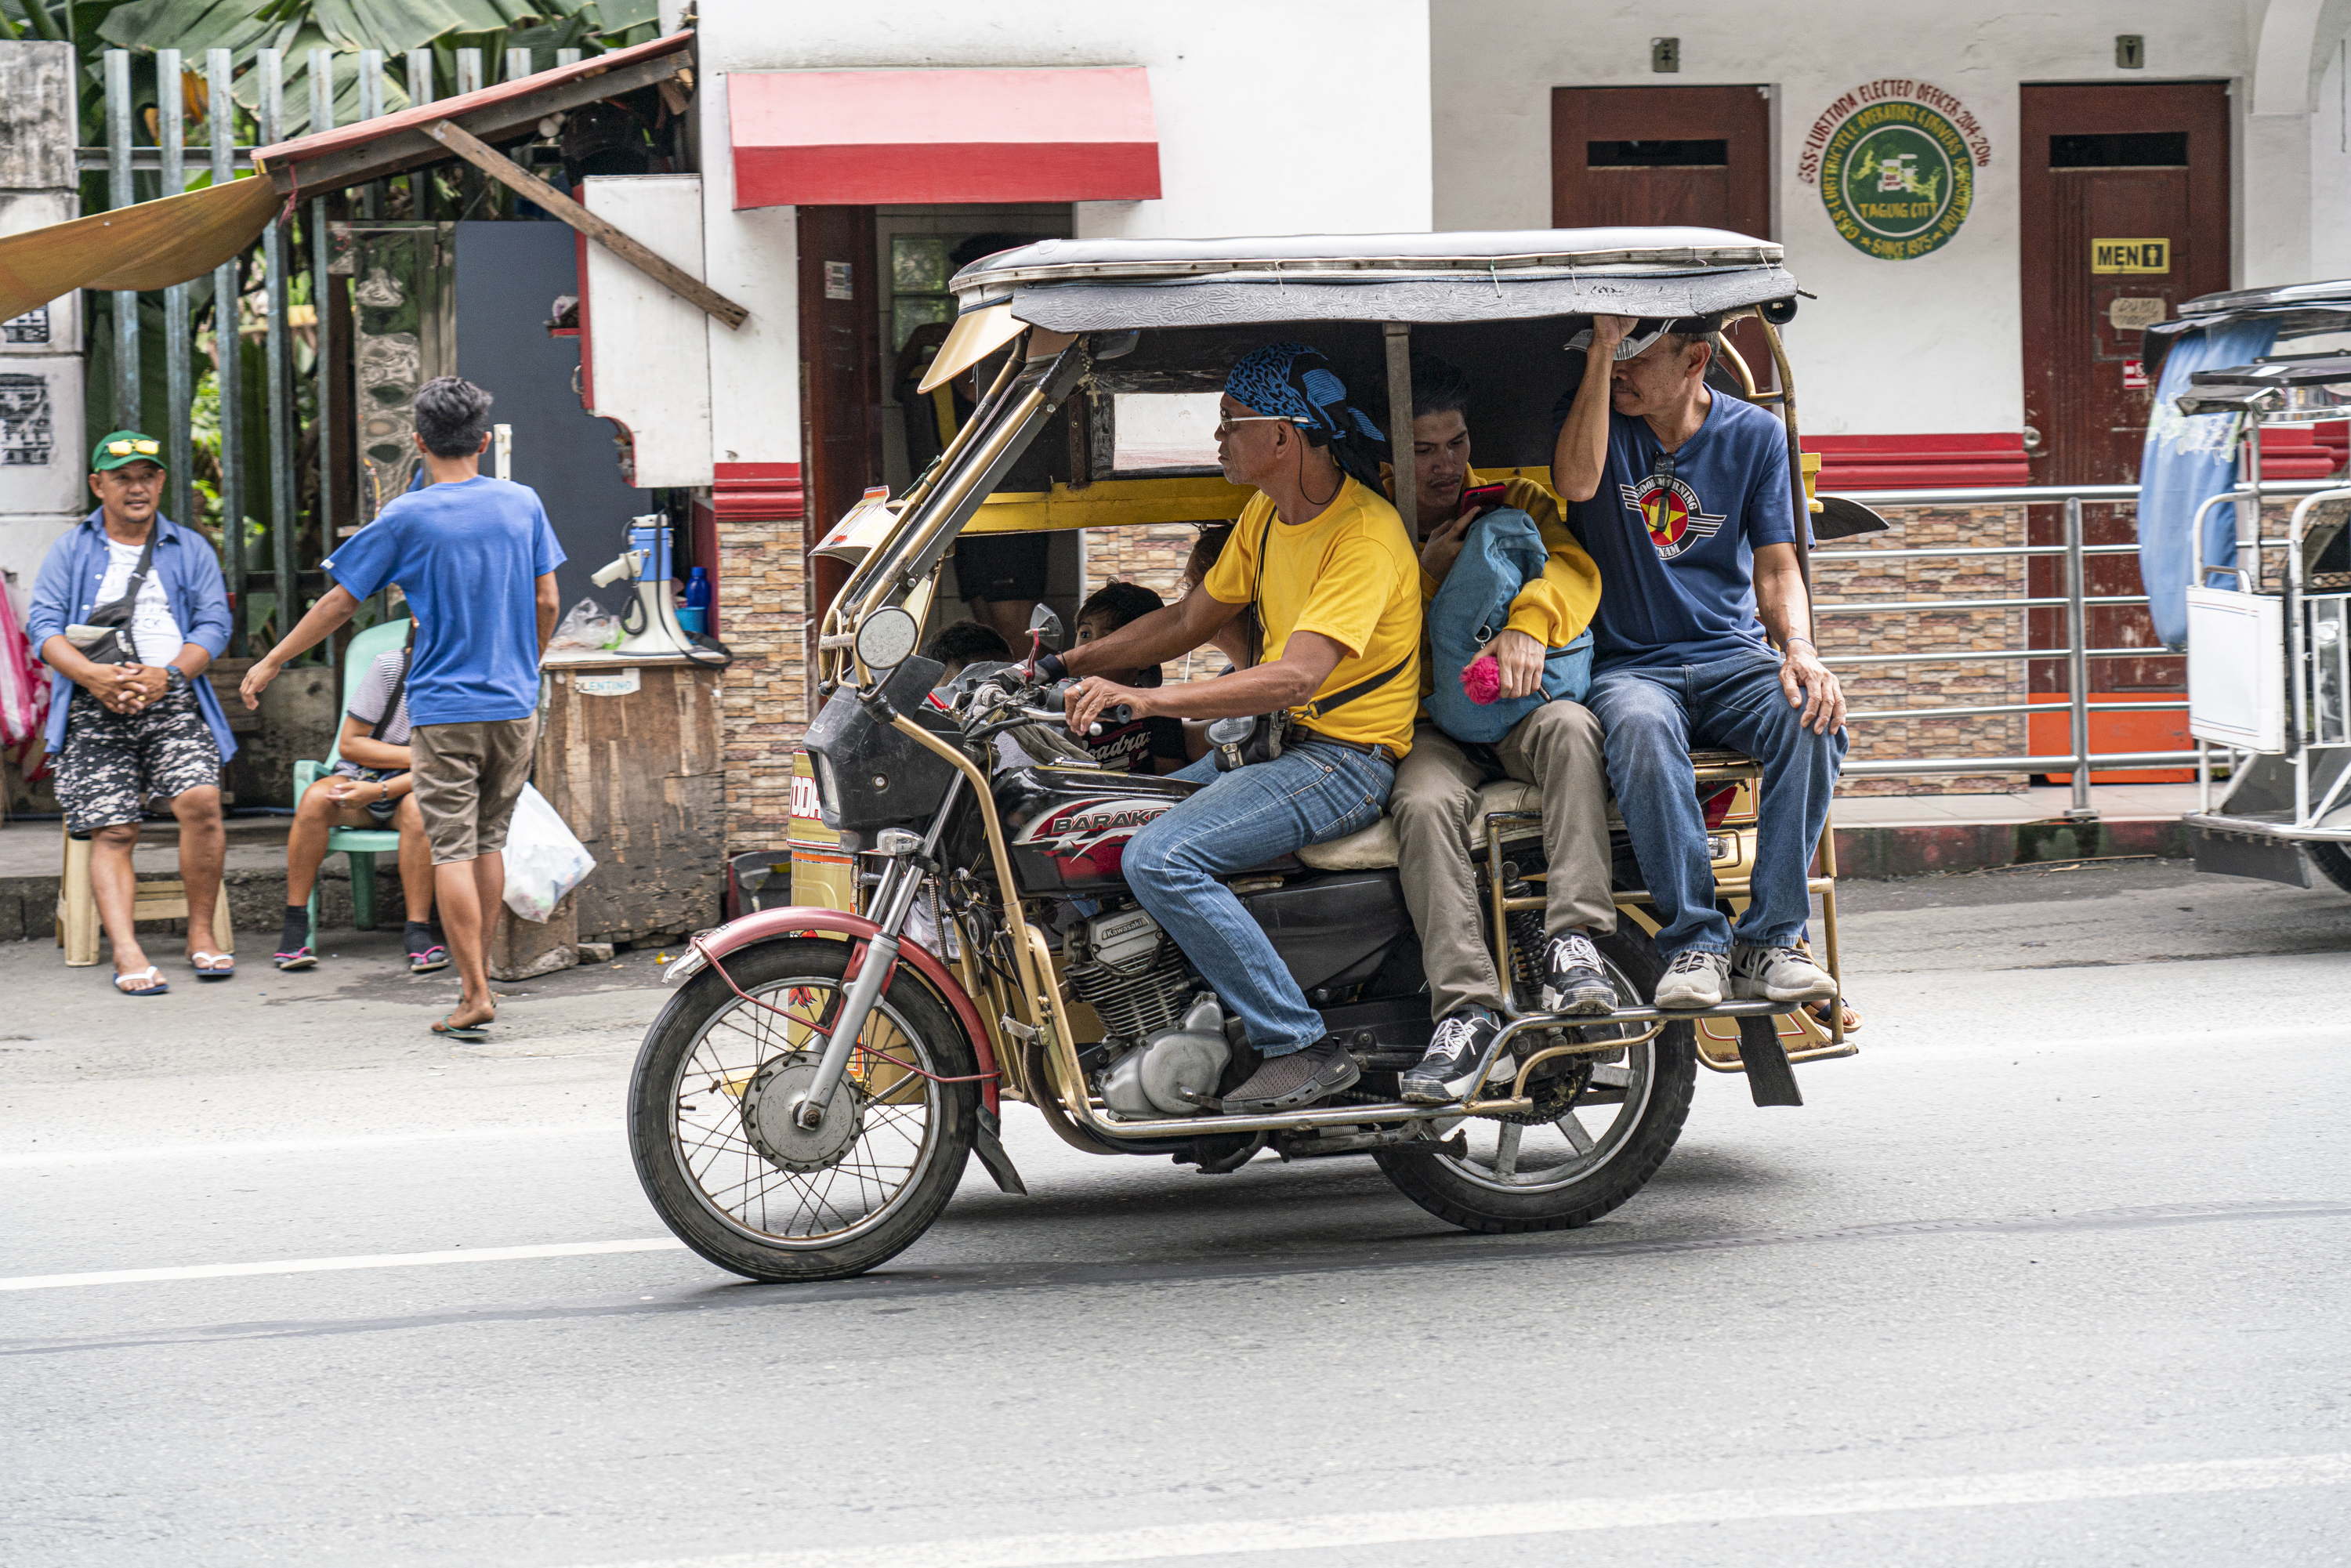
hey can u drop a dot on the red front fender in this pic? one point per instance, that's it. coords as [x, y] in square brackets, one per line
[766, 925]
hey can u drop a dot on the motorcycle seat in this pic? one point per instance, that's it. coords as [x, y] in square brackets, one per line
[1375, 848]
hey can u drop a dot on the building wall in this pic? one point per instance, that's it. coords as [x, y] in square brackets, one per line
[1295, 117]
[1948, 323]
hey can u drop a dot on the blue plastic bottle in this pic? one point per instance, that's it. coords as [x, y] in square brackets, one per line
[695, 613]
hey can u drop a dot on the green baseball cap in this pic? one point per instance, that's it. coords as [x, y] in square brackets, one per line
[119, 447]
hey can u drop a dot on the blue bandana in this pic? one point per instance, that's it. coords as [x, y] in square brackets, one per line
[1295, 382]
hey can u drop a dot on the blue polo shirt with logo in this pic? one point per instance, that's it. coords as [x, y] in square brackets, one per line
[1675, 544]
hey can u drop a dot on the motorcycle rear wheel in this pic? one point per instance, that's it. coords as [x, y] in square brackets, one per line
[734, 1180]
[1567, 1173]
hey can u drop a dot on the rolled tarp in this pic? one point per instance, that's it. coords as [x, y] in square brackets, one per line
[151, 245]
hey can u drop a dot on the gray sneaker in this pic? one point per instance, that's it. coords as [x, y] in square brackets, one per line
[1778, 974]
[1694, 979]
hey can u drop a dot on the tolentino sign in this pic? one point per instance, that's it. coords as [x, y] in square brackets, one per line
[1895, 162]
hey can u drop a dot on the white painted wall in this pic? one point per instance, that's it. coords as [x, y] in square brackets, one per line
[648, 359]
[1946, 326]
[1275, 115]
[2330, 166]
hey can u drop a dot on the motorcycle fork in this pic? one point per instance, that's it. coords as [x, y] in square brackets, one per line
[894, 901]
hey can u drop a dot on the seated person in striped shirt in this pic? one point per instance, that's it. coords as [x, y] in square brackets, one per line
[370, 787]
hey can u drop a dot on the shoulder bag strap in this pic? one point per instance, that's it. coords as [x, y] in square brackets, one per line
[120, 609]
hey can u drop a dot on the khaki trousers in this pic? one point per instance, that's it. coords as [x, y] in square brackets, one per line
[1557, 747]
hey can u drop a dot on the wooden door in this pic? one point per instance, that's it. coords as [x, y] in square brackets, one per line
[841, 378]
[1648, 156]
[2125, 212]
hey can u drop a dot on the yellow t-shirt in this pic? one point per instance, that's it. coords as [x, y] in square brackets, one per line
[1350, 575]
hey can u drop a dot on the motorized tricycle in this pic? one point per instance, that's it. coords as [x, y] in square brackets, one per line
[804, 1105]
[2268, 646]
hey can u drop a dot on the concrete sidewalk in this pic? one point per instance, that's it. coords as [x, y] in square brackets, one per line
[1911, 835]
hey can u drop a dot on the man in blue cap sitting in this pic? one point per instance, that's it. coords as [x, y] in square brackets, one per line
[1324, 558]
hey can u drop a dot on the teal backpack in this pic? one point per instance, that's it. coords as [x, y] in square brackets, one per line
[1504, 553]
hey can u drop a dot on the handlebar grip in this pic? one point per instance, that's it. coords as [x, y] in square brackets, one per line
[1118, 713]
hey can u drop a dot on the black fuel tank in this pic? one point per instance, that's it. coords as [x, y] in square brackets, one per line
[1068, 827]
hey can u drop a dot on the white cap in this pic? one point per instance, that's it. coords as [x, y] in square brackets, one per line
[1632, 343]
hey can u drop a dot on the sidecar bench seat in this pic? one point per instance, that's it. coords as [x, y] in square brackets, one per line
[1375, 848]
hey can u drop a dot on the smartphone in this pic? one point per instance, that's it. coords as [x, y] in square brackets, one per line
[1481, 497]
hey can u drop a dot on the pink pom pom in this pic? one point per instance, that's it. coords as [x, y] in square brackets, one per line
[1483, 680]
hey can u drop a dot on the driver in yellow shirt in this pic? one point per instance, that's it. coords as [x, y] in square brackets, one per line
[1323, 555]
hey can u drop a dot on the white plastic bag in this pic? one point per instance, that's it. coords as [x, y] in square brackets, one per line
[587, 625]
[544, 860]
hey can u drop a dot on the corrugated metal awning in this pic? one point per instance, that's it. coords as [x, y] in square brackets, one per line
[393, 143]
[897, 137]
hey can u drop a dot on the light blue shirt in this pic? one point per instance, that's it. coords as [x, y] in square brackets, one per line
[66, 592]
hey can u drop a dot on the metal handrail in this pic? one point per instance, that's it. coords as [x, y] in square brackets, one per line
[2074, 600]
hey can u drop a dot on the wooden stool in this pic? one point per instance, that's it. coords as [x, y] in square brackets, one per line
[78, 923]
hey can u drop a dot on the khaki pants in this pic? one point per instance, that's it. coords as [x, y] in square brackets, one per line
[1557, 747]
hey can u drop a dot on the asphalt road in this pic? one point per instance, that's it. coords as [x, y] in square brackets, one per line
[2057, 1270]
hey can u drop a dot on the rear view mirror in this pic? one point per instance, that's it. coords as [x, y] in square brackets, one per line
[1045, 628]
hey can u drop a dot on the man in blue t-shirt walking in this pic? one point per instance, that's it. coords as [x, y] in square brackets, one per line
[476, 559]
[1685, 506]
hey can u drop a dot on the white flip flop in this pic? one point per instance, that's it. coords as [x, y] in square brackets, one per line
[148, 973]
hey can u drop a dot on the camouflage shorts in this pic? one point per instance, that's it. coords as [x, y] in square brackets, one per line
[114, 762]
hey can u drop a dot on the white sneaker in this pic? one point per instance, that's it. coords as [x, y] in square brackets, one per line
[1778, 974]
[1694, 979]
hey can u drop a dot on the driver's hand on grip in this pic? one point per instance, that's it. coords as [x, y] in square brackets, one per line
[1094, 700]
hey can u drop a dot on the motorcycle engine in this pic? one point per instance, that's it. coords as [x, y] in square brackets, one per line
[1153, 1080]
[1122, 966]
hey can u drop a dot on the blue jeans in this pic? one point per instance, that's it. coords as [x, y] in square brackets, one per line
[1652, 718]
[1312, 792]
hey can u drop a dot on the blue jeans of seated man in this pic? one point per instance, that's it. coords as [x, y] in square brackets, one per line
[1651, 718]
[1312, 792]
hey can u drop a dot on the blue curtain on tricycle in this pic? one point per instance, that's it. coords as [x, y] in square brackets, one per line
[2187, 461]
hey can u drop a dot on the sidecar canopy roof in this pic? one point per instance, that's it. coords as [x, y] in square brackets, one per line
[1093, 286]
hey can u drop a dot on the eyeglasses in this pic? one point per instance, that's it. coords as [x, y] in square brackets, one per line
[1225, 422]
[125, 448]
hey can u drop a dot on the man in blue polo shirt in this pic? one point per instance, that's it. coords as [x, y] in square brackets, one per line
[476, 559]
[1686, 509]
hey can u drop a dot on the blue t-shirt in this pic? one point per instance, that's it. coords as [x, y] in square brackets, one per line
[468, 556]
[1677, 551]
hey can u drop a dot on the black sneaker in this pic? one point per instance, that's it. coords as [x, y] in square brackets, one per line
[1574, 981]
[1301, 1078]
[1450, 1068]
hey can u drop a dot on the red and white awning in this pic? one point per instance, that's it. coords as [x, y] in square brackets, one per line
[902, 137]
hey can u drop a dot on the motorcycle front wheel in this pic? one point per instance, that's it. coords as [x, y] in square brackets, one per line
[1566, 1167]
[726, 1163]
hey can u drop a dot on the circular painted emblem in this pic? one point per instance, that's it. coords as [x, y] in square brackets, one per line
[1897, 180]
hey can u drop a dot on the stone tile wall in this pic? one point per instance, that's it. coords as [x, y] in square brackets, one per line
[1939, 683]
[764, 694]
[1151, 554]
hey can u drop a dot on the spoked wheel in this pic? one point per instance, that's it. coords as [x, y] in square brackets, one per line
[1601, 1127]
[724, 1159]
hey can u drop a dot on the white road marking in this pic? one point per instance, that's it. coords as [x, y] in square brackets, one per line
[328, 1265]
[1328, 1532]
[328, 1144]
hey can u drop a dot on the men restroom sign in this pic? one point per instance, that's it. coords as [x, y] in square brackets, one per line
[1895, 162]
[2140, 256]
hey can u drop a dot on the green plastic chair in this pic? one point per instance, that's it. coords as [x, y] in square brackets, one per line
[361, 844]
